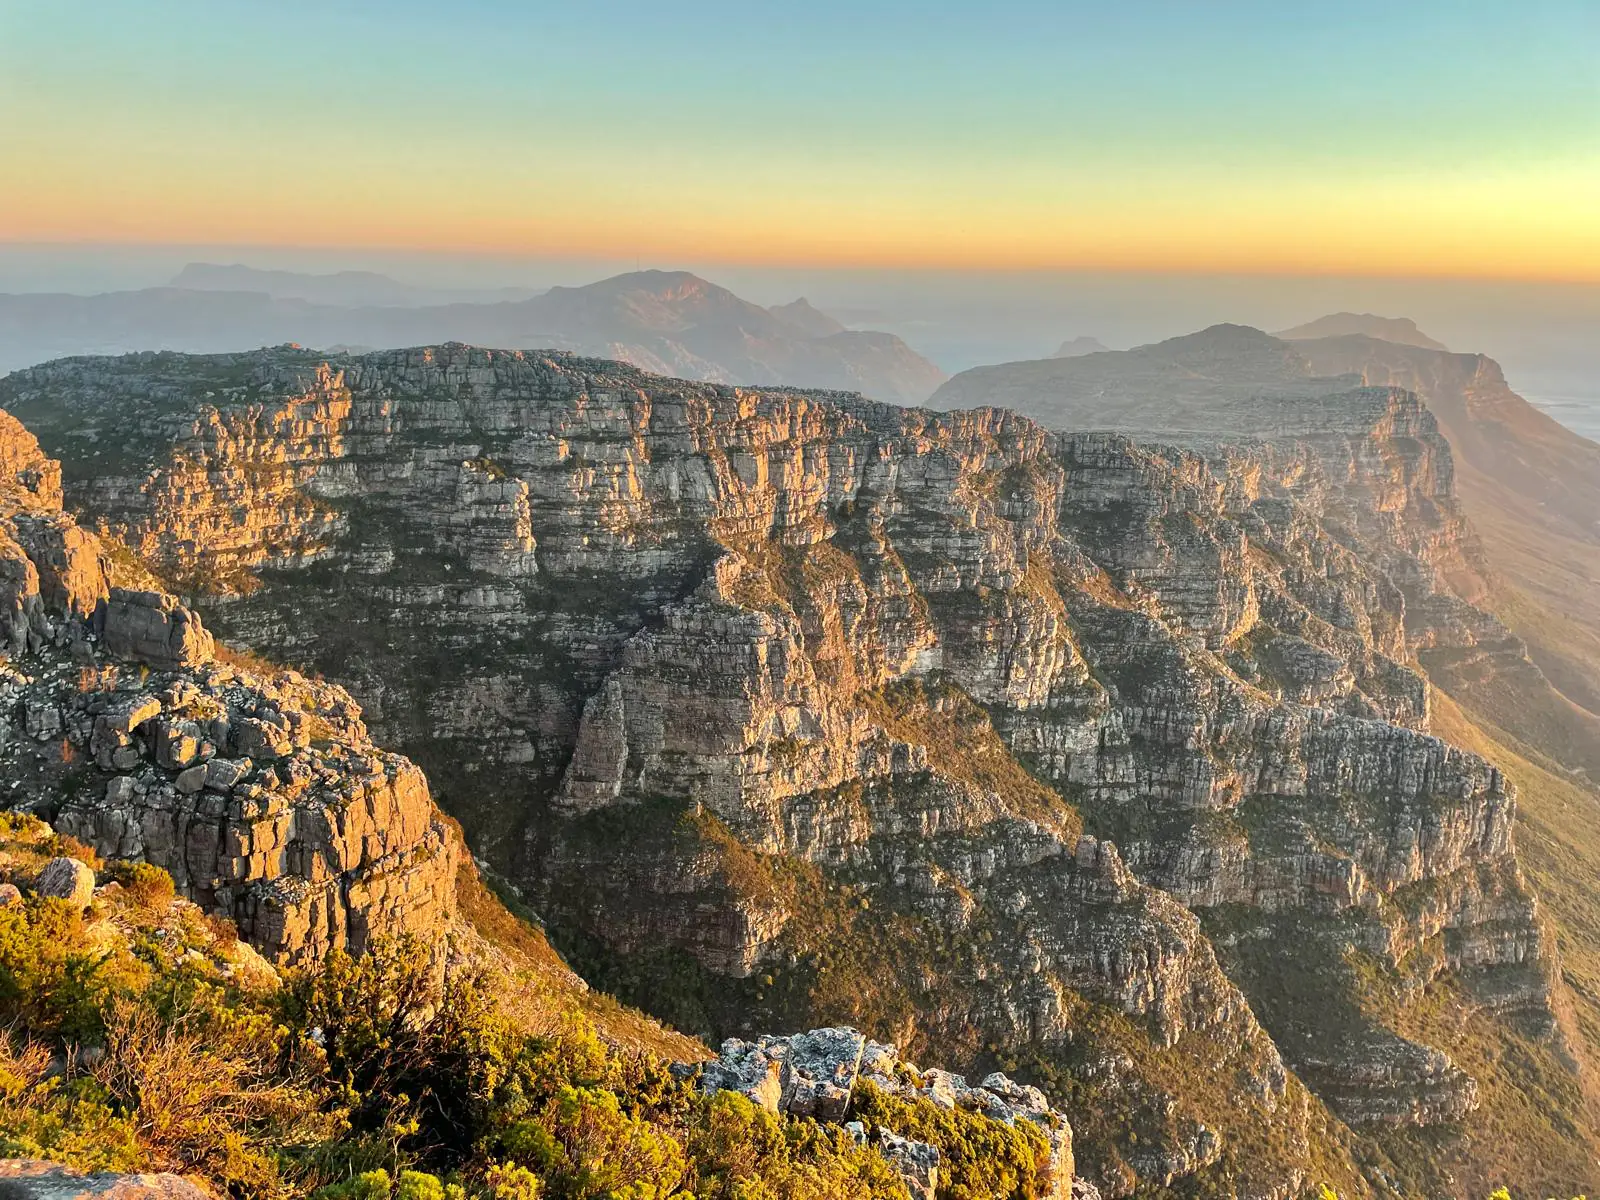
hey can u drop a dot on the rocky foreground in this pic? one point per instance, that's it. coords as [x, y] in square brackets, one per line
[1071, 754]
[260, 794]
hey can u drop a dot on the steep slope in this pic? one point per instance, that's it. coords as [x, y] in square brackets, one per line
[1527, 483]
[1532, 488]
[385, 1031]
[787, 706]
[667, 321]
[263, 798]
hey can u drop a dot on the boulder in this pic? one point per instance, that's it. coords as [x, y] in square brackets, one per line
[819, 1072]
[155, 629]
[32, 1179]
[917, 1164]
[193, 779]
[67, 879]
[224, 774]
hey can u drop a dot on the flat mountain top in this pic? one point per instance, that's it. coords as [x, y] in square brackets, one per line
[1181, 383]
[343, 288]
[1401, 330]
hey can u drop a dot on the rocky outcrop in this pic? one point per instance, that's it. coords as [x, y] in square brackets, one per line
[153, 628]
[814, 1075]
[262, 796]
[49, 568]
[727, 678]
[33, 1179]
[1392, 1081]
[264, 799]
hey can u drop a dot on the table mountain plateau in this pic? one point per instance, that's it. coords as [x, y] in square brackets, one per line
[1095, 758]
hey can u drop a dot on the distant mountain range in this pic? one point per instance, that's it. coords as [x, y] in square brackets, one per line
[338, 288]
[669, 322]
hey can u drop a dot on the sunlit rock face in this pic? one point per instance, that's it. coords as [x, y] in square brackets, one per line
[758, 682]
[258, 791]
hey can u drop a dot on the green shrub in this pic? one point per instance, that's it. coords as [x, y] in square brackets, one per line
[380, 1078]
[146, 885]
[981, 1159]
[371, 1185]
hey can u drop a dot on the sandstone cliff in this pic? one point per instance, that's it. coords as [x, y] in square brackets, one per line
[1037, 748]
[260, 794]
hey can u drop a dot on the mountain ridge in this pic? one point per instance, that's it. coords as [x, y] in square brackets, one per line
[779, 701]
[670, 322]
[1400, 330]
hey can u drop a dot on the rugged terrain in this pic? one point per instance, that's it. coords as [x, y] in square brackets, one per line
[293, 976]
[1095, 759]
[261, 796]
[1529, 486]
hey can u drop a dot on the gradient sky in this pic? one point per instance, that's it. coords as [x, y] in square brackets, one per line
[1447, 137]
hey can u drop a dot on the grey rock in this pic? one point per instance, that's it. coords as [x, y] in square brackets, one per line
[192, 780]
[814, 1074]
[131, 714]
[224, 774]
[67, 879]
[917, 1164]
[32, 1179]
[155, 629]
[177, 744]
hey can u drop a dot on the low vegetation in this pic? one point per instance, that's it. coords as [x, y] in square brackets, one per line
[142, 1035]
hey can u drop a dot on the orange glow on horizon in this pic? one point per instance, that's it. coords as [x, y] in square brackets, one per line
[1363, 231]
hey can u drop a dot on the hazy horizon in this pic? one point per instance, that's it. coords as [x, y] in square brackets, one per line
[1543, 334]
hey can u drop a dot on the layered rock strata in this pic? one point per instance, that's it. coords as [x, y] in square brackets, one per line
[672, 647]
[262, 796]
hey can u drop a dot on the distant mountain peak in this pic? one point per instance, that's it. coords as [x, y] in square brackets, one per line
[1227, 340]
[1079, 346]
[805, 316]
[669, 322]
[1401, 330]
[664, 285]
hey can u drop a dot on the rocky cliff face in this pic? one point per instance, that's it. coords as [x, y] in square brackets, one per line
[261, 795]
[1030, 746]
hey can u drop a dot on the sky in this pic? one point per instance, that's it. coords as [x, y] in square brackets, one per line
[1457, 138]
